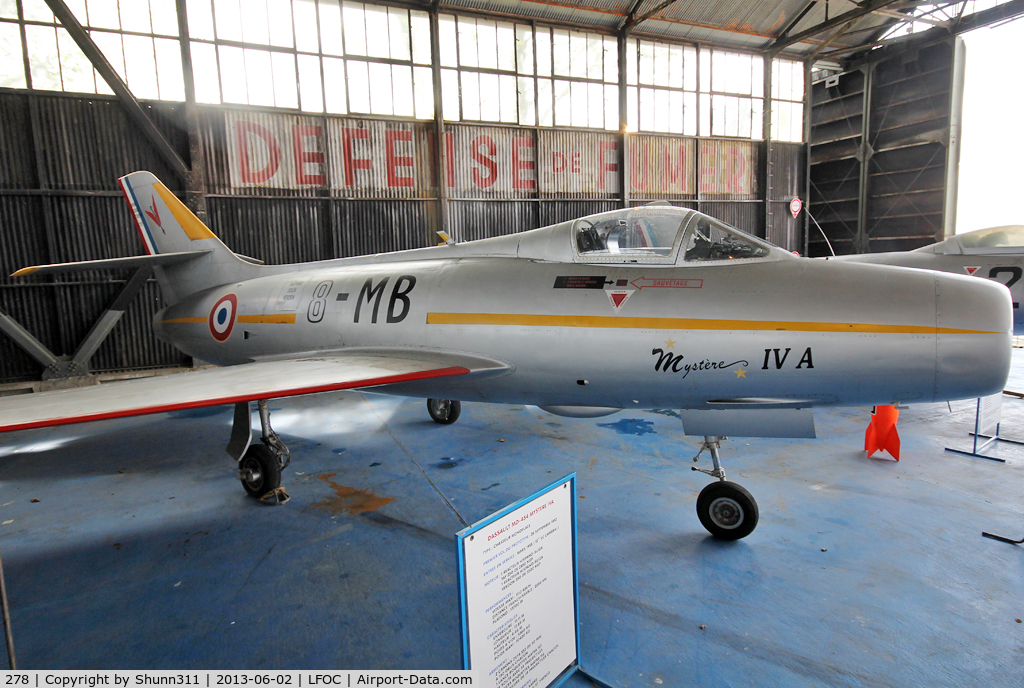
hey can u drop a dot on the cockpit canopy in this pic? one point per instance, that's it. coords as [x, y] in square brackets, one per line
[661, 234]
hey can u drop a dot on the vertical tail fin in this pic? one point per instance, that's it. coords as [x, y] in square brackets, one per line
[164, 223]
[167, 226]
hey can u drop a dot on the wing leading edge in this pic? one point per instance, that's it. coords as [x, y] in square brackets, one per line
[269, 379]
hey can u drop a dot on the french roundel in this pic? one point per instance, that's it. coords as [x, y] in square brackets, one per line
[222, 317]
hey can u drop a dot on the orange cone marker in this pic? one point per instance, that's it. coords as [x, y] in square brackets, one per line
[881, 433]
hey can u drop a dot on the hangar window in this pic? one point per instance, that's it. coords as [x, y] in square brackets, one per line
[496, 71]
[632, 235]
[661, 91]
[315, 55]
[675, 89]
[787, 100]
[732, 94]
[139, 39]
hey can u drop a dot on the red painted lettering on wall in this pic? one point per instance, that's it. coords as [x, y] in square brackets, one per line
[574, 162]
[603, 165]
[735, 167]
[518, 182]
[353, 163]
[638, 166]
[395, 161]
[242, 131]
[487, 163]
[707, 169]
[304, 155]
[675, 175]
[558, 162]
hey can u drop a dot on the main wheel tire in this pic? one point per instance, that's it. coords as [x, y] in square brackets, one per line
[444, 411]
[262, 470]
[727, 510]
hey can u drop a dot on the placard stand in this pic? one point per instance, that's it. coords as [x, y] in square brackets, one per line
[1003, 539]
[988, 411]
[519, 594]
[8, 636]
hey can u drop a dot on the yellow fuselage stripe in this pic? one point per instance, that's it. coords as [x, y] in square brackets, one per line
[612, 322]
[288, 319]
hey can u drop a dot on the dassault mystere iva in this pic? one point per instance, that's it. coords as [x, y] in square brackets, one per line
[643, 308]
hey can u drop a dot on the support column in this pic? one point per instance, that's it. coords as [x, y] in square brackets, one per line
[624, 171]
[195, 180]
[440, 149]
[808, 68]
[956, 111]
[862, 243]
[767, 171]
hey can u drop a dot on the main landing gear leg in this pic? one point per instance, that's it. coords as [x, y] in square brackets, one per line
[259, 465]
[727, 510]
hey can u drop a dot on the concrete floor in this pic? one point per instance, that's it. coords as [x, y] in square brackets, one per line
[143, 551]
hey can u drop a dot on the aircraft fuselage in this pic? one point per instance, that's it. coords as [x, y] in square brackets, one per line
[627, 336]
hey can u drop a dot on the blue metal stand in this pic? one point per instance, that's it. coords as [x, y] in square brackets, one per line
[596, 681]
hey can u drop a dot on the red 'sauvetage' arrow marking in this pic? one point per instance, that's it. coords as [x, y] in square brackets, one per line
[667, 283]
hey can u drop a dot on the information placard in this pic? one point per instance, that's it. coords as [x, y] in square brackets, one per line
[991, 413]
[517, 577]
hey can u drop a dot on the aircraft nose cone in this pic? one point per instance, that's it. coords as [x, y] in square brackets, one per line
[974, 318]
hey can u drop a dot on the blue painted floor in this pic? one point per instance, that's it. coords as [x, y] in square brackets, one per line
[143, 551]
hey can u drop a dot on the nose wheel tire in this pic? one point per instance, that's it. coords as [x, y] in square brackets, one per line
[727, 510]
[444, 411]
[259, 471]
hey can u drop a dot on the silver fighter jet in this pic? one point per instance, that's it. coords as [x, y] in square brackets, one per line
[643, 308]
[996, 253]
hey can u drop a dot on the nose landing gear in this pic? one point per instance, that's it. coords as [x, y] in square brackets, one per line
[259, 465]
[444, 411]
[726, 509]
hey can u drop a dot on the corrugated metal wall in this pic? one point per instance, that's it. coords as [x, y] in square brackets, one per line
[286, 188]
[59, 162]
[896, 202]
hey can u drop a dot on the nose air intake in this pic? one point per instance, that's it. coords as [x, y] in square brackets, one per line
[974, 319]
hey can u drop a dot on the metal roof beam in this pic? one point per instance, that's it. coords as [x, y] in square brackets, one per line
[976, 20]
[867, 8]
[828, 41]
[623, 25]
[796, 20]
[893, 14]
[135, 111]
[633, 20]
[993, 15]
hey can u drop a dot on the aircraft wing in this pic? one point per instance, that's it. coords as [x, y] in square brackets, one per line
[266, 379]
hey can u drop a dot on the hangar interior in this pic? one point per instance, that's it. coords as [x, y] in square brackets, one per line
[302, 130]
